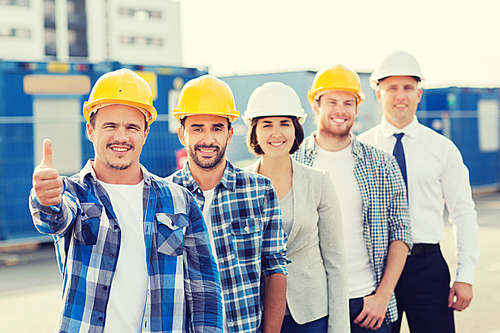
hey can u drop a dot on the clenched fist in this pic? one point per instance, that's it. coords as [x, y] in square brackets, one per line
[47, 184]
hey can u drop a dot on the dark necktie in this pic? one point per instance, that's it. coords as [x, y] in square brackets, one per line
[399, 153]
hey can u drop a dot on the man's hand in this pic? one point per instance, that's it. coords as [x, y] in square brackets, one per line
[460, 296]
[373, 314]
[47, 184]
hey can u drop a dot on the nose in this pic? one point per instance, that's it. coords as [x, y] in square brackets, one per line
[400, 93]
[209, 138]
[276, 131]
[121, 134]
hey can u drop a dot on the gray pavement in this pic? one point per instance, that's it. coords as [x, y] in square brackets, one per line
[30, 283]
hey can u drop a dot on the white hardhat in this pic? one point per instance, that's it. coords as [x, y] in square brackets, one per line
[274, 99]
[398, 63]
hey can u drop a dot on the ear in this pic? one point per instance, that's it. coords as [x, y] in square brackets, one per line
[146, 135]
[180, 134]
[419, 95]
[230, 135]
[90, 132]
[377, 94]
[315, 107]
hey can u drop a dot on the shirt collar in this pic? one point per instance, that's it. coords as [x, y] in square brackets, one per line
[410, 130]
[228, 178]
[310, 144]
[89, 171]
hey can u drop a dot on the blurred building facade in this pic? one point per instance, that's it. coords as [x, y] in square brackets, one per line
[142, 32]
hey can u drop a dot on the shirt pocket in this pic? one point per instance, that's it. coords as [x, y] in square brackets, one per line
[86, 227]
[247, 239]
[171, 233]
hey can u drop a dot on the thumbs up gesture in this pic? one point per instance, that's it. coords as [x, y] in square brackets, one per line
[47, 184]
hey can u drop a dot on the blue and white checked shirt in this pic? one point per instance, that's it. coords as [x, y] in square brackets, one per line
[184, 293]
[385, 207]
[249, 240]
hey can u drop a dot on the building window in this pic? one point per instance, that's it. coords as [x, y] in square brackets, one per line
[15, 32]
[50, 41]
[141, 41]
[20, 3]
[140, 14]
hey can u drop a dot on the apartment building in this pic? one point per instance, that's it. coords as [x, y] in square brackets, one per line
[142, 32]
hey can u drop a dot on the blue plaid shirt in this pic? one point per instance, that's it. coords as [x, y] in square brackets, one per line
[184, 292]
[385, 208]
[249, 240]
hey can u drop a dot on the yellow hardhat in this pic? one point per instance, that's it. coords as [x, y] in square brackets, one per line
[206, 95]
[336, 77]
[122, 86]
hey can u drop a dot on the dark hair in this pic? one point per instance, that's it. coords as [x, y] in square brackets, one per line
[183, 122]
[94, 114]
[253, 145]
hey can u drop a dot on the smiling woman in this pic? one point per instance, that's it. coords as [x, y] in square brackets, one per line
[310, 213]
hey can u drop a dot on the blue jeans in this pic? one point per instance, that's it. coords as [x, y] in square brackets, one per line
[318, 326]
[355, 308]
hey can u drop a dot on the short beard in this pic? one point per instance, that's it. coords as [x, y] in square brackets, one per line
[335, 135]
[120, 167]
[207, 165]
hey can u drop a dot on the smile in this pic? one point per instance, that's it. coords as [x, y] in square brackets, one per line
[277, 144]
[339, 120]
[119, 149]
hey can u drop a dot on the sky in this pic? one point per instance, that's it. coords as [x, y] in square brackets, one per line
[457, 43]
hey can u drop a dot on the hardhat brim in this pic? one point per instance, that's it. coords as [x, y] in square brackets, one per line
[180, 115]
[151, 116]
[248, 119]
[316, 93]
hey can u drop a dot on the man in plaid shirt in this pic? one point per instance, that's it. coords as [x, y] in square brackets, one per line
[133, 249]
[372, 196]
[241, 210]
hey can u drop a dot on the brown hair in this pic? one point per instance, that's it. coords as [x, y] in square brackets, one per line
[253, 145]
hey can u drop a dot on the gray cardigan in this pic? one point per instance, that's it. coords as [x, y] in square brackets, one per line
[317, 277]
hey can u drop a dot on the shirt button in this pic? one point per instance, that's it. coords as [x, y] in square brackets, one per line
[105, 288]
[115, 227]
[113, 255]
[100, 318]
[247, 228]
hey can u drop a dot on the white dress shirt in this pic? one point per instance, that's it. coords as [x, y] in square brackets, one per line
[436, 176]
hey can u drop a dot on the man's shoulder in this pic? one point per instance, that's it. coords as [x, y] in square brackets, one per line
[246, 177]
[368, 136]
[167, 185]
[375, 154]
[175, 177]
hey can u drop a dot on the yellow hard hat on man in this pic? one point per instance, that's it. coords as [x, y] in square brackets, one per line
[122, 86]
[336, 78]
[206, 95]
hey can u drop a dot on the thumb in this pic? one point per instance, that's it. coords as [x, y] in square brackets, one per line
[47, 154]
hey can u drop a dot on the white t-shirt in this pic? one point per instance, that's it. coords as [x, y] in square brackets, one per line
[207, 215]
[340, 166]
[127, 296]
